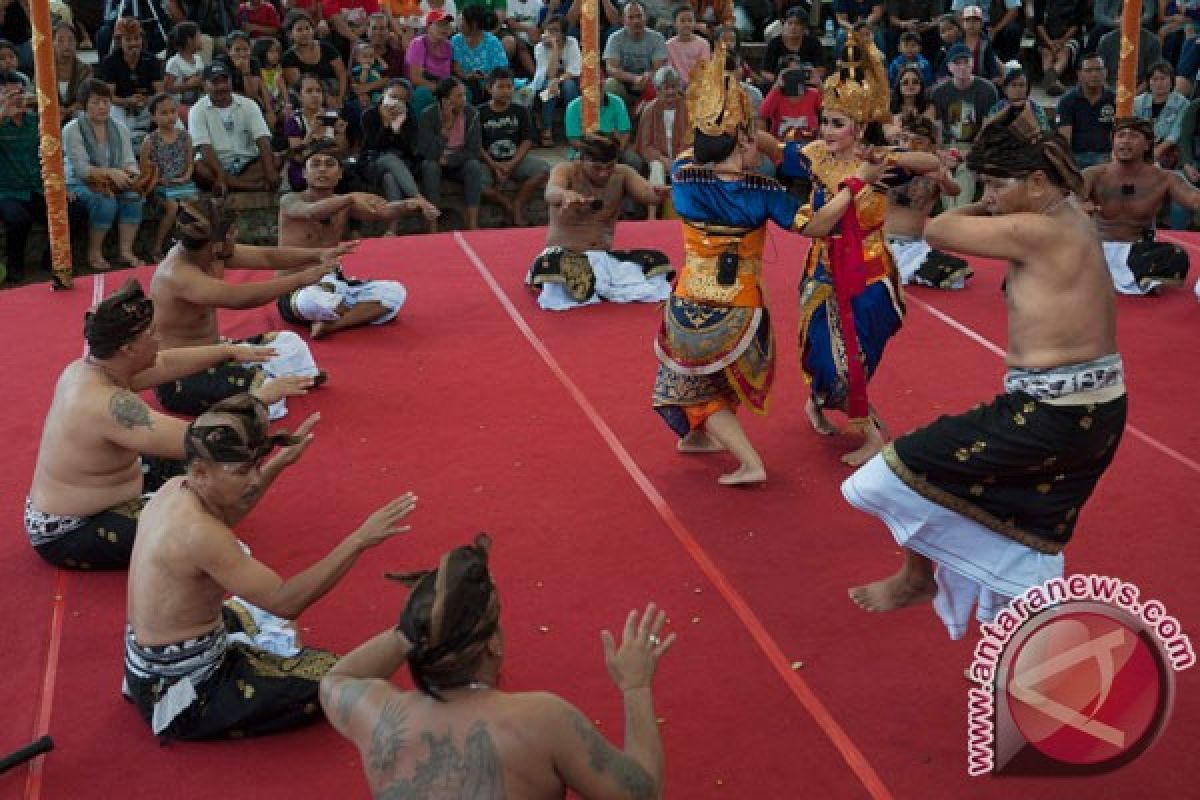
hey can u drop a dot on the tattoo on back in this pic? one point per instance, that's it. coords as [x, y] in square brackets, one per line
[603, 757]
[389, 736]
[474, 773]
[129, 411]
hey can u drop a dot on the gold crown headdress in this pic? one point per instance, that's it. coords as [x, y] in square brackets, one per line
[717, 104]
[859, 86]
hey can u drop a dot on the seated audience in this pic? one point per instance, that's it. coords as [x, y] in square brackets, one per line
[102, 173]
[1016, 92]
[1149, 54]
[22, 198]
[507, 138]
[1085, 114]
[685, 49]
[559, 64]
[794, 42]
[183, 76]
[987, 64]
[310, 123]
[664, 130]
[476, 52]
[430, 59]
[910, 57]
[309, 54]
[631, 57]
[910, 98]
[448, 142]
[389, 147]
[1058, 26]
[233, 138]
[259, 18]
[792, 109]
[69, 71]
[167, 153]
[133, 76]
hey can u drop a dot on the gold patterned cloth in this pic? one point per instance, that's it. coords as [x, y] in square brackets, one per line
[1022, 466]
[210, 687]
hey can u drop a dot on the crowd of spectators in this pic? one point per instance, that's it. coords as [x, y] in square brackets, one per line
[404, 90]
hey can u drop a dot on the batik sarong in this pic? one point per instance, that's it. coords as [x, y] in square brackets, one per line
[101, 541]
[709, 353]
[196, 393]
[993, 495]
[212, 687]
[921, 264]
[1143, 267]
[320, 302]
[570, 279]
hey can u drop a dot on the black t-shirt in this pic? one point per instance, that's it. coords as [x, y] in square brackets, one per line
[323, 69]
[379, 138]
[1057, 16]
[810, 52]
[1091, 125]
[504, 131]
[114, 70]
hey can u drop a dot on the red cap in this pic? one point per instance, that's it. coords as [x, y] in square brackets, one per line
[436, 16]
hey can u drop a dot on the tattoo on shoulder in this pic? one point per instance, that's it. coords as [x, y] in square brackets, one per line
[389, 736]
[604, 758]
[129, 411]
[474, 772]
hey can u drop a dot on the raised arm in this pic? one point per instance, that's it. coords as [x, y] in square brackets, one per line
[1182, 192]
[640, 189]
[295, 206]
[204, 290]
[973, 230]
[588, 764]
[246, 256]
[238, 573]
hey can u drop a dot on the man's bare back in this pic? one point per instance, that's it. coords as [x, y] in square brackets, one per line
[170, 599]
[1127, 200]
[80, 470]
[580, 227]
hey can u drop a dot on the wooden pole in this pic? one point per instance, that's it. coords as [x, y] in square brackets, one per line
[589, 22]
[1131, 28]
[53, 177]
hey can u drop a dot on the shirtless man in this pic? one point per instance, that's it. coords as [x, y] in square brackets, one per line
[317, 217]
[188, 288]
[89, 483]
[994, 494]
[578, 267]
[909, 208]
[182, 672]
[1124, 197]
[459, 735]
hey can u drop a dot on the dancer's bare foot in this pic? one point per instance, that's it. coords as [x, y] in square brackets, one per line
[900, 590]
[699, 442]
[744, 476]
[818, 420]
[872, 444]
[276, 389]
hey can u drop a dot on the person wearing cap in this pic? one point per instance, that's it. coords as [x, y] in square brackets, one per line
[338, 302]
[995, 494]
[103, 450]
[1125, 197]
[983, 56]
[197, 666]
[430, 59]
[231, 134]
[133, 75]
[1004, 34]
[488, 742]
[793, 42]
[1086, 113]
[962, 103]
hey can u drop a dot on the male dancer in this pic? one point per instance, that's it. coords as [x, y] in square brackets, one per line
[994, 494]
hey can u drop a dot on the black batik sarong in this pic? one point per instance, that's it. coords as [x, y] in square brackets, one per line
[243, 691]
[1155, 264]
[195, 394]
[1021, 467]
[102, 541]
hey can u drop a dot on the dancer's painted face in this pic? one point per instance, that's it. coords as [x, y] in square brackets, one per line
[838, 131]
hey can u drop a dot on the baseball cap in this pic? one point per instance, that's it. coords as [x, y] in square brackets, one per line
[436, 16]
[958, 50]
[972, 11]
[216, 69]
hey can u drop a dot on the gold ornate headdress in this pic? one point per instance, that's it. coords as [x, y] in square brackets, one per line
[859, 86]
[717, 104]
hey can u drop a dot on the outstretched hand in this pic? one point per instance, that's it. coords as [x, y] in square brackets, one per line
[251, 354]
[291, 454]
[330, 255]
[632, 665]
[382, 525]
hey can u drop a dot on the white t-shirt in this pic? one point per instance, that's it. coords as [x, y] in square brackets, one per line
[182, 70]
[669, 125]
[232, 132]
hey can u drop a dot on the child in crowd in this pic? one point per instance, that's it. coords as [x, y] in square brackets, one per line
[368, 75]
[910, 55]
[183, 77]
[168, 150]
[685, 49]
[268, 52]
[9, 62]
